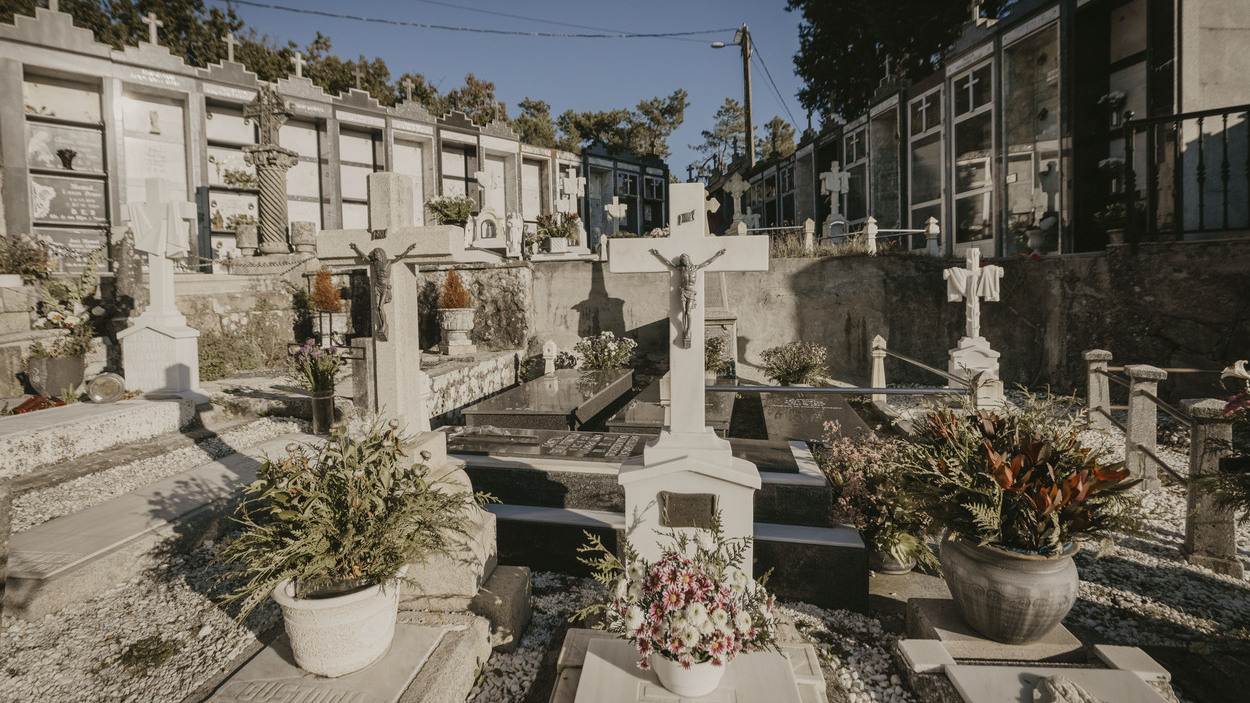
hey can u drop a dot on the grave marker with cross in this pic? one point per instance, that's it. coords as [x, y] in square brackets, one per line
[408, 88]
[834, 183]
[572, 188]
[159, 350]
[392, 247]
[152, 23]
[973, 356]
[298, 62]
[231, 42]
[687, 459]
[736, 189]
[360, 77]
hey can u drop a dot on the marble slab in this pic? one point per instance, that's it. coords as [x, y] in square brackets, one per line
[553, 444]
[565, 400]
[802, 416]
[1004, 684]
[645, 414]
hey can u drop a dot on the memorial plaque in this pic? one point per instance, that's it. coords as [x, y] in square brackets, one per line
[223, 206]
[54, 97]
[148, 158]
[687, 509]
[549, 444]
[64, 148]
[222, 159]
[230, 125]
[802, 416]
[68, 200]
[645, 414]
[565, 400]
[80, 241]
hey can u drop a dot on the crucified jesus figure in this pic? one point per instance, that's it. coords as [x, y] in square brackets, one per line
[380, 285]
[689, 272]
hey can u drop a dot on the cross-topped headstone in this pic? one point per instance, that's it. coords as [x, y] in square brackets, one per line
[390, 247]
[360, 77]
[298, 62]
[736, 189]
[971, 283]
[152, 23]
[834, 182]
[230, 41]
[409, 86]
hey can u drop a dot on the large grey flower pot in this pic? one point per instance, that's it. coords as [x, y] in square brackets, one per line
[1006, 596]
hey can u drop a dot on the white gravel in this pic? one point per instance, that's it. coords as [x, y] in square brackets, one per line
[37, 507]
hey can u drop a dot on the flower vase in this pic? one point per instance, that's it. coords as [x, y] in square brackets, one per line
[322, 412]
[699, 680]
[53, 376]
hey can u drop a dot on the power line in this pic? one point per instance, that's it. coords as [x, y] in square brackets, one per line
[756, 50]
[509, 15]
[477, 30]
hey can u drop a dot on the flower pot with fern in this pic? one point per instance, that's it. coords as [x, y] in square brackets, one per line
[455, 317]
[330, 533]
[66, 304]
[452, 209]
[1016, 493]
[558, 230]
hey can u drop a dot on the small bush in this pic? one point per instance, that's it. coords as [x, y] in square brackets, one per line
[255, 345]
[24, 257]
[607, 351]
[325, 297]
[796, 363]
[453, 294]
[715, 357]
[452, 208]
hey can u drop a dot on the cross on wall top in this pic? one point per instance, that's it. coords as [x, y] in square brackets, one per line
[408, 88]
[231, 42]
[152, 23]
[360, 77]
[298, 62]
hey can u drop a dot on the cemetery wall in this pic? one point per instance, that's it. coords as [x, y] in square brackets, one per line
[454, 389]
[1171, 305]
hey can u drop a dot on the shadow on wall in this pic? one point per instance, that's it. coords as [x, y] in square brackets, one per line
[599, 312]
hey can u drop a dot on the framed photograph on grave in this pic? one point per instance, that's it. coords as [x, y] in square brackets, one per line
[225, 209]
[223, 159]
[64, 148]
[67, 200]
[81, 241]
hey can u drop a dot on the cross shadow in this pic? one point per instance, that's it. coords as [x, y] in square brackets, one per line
[599, 312]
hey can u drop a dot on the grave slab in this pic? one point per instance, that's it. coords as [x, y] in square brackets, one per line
[1001, 684]
[564, 400]
[645, 414]
[938, 619]
[611, 674]
[547, 444]
[802, 416]
[272, 675]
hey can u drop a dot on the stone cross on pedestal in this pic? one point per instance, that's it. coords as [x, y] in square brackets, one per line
[152, 23]
[159, 350]
[298, 62]
[390, 247]
[736, 189]
[408, 88]
[973, 358]
[270, 111]
[688, 464]
[616, 210]
[360, 77]
[231, 42]
[834, 183]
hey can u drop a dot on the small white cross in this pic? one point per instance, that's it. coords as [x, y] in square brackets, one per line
[616, 210]
[488, 180]
[298, 62]
[971, 283]
[360, 75]
[230, 43]
[152, 23]
[572, 184]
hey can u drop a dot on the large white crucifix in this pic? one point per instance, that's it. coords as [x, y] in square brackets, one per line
[687, 459]
[973, 357]
[616, 210]
[159, 350]
[391, 246]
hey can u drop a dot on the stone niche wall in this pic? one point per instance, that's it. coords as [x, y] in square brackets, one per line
[455, 385]
[1181, 304]
[502, 296]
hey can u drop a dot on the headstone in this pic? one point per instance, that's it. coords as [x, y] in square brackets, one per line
[549, 357]
[547, 444]
[390, 247]
[687, 457]
[802, 416]
[565, 399]
[834, 183]
[973, 358]
[646, 413]
[572, 188]
[736, 189]
[271, 111]
[159, 351]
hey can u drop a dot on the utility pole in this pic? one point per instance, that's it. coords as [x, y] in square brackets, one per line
[744, 39]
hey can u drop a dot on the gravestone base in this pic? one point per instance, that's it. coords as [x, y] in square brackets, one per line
[461, 349]
[160, 358]
[938, 619]
[974, 356]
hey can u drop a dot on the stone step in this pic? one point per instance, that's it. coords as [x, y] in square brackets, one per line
[76, 555]
[825, 566]
[799, 497]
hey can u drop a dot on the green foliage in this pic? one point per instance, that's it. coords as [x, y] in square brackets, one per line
[70, 304]
[1019, 479]
[240, 178]
[453, 294]
[778, 140]
[560, 224]
[237, 220]
[535, 124]
[260, 343]
[355, 509]
[606, 351]
[315, 368]
[728, 127]
[643, 131]
[715, 354]
[25, 257]
[796, 363]
[451, 208]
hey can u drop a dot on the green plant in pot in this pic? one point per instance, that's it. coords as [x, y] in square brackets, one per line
[796, 363]
[315, 369]
[455, 317]
[65, 304]
[558, 229]
[330, 532]
[1015, 492]
[452, 209]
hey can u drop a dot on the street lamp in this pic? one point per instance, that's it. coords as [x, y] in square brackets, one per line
[742, 38]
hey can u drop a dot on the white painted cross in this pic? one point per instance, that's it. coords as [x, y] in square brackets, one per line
[391, 247]
[971, 283]
[834, 183]
[616, 211]
[489, 180]
[161, 225]
[152, 23]
[572, 188]
[298, 62]
[230, 41]
[736, 188]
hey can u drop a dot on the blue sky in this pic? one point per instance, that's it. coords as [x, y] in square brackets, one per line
[579, 74]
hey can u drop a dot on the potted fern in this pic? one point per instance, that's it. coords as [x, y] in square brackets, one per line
[452, 209]
[69, 305]
[558, 230]
[330, 532]
[455, 317]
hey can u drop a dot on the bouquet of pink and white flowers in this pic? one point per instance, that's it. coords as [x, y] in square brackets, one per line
[693, 605]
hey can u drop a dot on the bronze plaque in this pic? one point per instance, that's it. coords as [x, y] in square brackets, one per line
[687, 509]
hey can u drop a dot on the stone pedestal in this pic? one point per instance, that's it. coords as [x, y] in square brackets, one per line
[304, 237]
[1210, 531]
[974, 356]
[161, 357]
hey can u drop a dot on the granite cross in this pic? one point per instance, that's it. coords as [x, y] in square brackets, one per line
[298, 62]
[971, 283]
[360, 77]
[736, 188]
[152, 23]
[686, 254]
[391, 247]
[572, 187]
[161, 225]
[230, 41]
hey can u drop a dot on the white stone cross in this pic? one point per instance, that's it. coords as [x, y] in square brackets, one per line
[230, 41]
[971, 283]
[298, 62]
[152, 23]
[834, 183]
[54, 5]
[489, 180]
[686, 254]
[736, 188]
[616, 211]
[391, 246]
[408, 87]
[360, 76]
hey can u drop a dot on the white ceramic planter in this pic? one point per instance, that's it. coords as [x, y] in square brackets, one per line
[335, 636]
[699, 680]
[557, 245]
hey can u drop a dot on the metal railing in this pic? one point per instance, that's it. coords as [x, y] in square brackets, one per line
[878, 351]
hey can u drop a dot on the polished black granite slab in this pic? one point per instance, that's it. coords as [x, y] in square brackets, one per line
[564, 400]
[645, 414]
[553, 444]
[802, 416]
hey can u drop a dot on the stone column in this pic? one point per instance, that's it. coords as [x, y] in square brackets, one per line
[1099, 386]
[1143, 420]
[1210, 532]
[809, 231]
[932, 232]
[877, 349]
[272, 163]
[870, 234]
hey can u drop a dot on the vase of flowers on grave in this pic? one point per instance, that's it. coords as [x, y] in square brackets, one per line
[57, 369]
[1014, 491]
[327, 301]
[452, 209]
[455, 317]
[867, 490]
[1112, 219]
[22, 261]
[604, 352]
[796, 363]
[716, 363]
[690, 612]
[329, 531]
[246, 239]
[558, 230]
[315, 368]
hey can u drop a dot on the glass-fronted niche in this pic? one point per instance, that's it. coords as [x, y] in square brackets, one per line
[972, 98]
[924, 128]
[360, 153]
[1033, 206]
[855, 200]
[883, 167]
